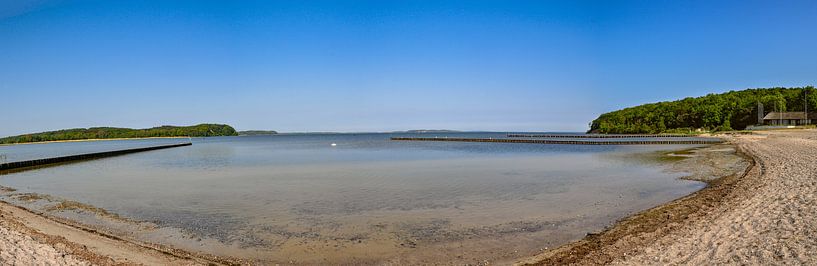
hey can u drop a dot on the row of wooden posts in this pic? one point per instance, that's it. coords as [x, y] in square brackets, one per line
[80, 157]
[571, 142]
[599, 136]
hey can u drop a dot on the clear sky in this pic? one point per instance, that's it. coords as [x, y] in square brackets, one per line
[384, 65]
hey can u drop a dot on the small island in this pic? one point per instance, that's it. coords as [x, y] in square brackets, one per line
[200, 130]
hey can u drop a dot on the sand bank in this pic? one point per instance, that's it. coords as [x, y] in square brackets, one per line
[767, 215]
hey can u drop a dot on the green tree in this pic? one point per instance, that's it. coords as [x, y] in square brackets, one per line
[774, 102]
[733, 109]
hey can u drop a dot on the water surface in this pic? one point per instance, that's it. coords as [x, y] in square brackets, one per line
[296, 198]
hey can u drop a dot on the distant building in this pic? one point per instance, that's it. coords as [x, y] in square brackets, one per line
[789, 118]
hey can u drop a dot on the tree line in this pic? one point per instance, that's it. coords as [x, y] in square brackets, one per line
[201, 130]
[718, 112]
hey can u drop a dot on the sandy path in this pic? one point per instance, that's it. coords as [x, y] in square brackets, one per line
[768, 216]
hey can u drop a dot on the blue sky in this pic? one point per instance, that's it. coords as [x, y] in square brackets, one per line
[384, 65]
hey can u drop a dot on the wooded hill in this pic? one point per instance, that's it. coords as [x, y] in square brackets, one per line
[201, 130]
[257, 132]
[725, 111]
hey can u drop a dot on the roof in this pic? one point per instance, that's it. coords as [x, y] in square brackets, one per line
[789, 116]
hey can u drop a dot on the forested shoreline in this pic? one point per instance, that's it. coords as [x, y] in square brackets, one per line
[201, 130]
[717, 112]
[257, 132]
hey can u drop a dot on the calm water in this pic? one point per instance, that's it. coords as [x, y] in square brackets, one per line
[296, 198]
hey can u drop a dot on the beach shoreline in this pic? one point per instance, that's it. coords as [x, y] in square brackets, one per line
[639, 231]
[36, 237]
[734, 220]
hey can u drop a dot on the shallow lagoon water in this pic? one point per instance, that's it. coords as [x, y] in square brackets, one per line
[296, 198]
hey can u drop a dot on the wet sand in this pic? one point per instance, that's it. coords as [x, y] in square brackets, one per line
[766, 215]
[28, 238]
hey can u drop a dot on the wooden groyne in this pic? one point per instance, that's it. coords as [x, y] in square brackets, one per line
[81, 157]
[599, 136]
[571, 142]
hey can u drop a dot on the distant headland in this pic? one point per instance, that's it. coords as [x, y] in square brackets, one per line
[257, 132]
[427, 131]
[200, 130]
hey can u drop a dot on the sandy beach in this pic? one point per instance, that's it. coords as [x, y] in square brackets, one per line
[764, 215]
[767, 215]
[27, 238]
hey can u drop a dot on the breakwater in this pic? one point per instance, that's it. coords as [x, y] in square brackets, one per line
[81, 157]
[570, 142]
[599, 136]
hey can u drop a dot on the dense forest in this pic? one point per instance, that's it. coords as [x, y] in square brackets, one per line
[201, 130]
[725, 111]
